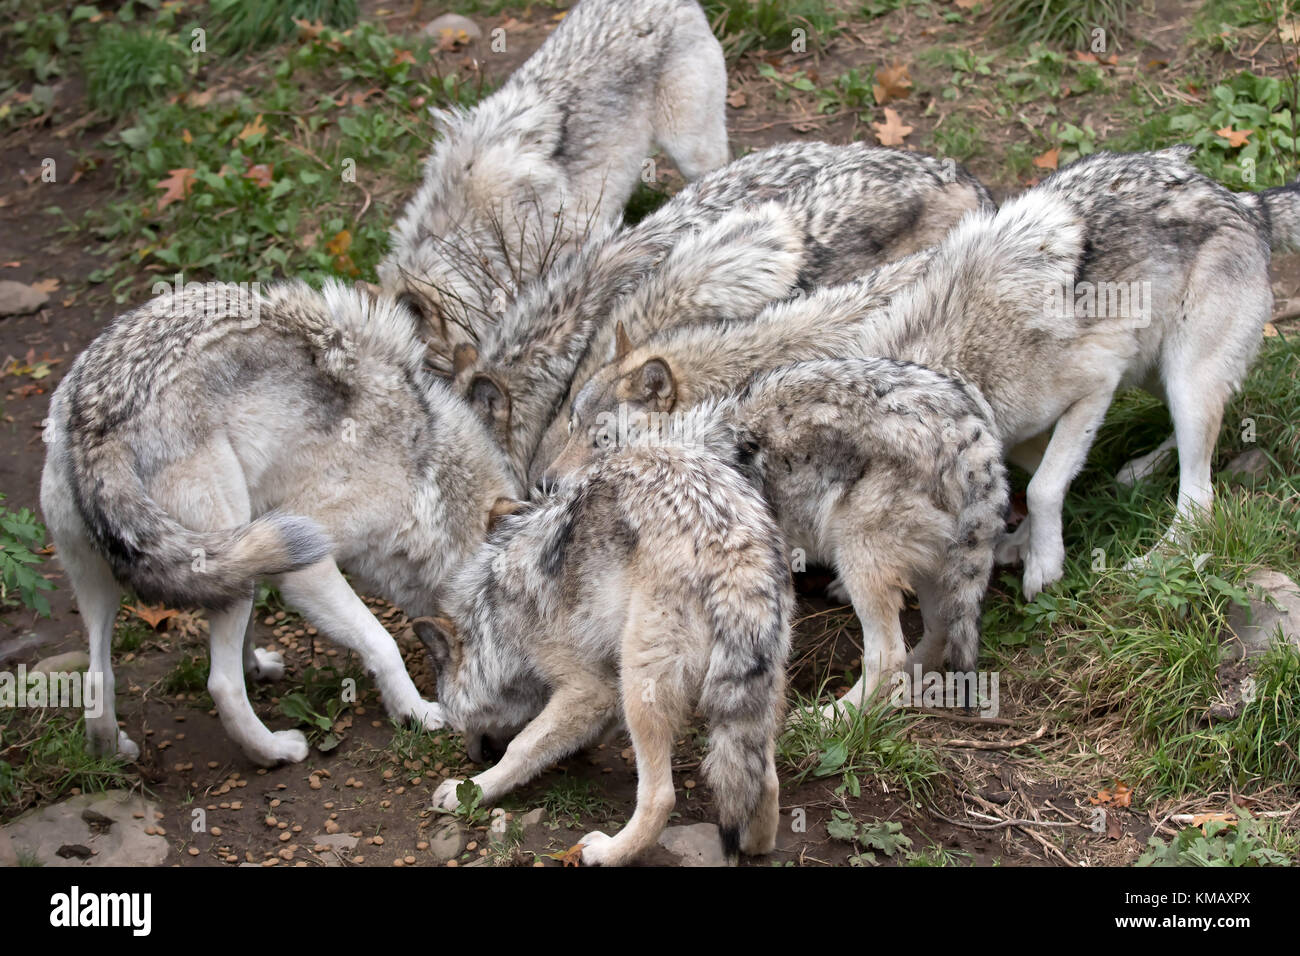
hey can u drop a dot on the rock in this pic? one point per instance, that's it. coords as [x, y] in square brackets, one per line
[341, 846]
[43, 832]
[699, 844]
[456, 24]
[68, 663]
[8, 855]
[1250, 466]
[446, 841]
[533, 818]
[1257, 625]
[19, 299]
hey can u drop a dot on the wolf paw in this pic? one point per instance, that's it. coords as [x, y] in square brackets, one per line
[444, 798]
[267, 665]
[1011, 548]
[596, 849]
[1041, 572]
[428, 715]
[286, 746]
[837, 592]
[127, 748]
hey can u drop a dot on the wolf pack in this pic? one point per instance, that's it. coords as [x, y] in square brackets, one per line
[579, 454]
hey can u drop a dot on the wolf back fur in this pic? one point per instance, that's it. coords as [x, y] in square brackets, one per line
[522, 177]
[853, 207]
[654, 581]
[194, 450]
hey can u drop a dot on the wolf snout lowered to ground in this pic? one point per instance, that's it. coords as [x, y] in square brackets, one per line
[520, 179]
[189, 458]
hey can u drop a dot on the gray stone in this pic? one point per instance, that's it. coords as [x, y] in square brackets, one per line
[340, 846]
[19, 299]
[533, 818]
[68, 663]
[699, 844]
[446, 841]
[8, 855]
[1253, 465]
[1257, 625]
[41, 833]
[456, 24]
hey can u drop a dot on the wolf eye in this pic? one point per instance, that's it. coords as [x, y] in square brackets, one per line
[408, 300]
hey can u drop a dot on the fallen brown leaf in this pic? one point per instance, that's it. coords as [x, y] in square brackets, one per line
[255, 128]
[892, 83]
[891, 132]
[176, 186]
[1235, 137]
[1049, 159]
[737, 99]
[260, 174]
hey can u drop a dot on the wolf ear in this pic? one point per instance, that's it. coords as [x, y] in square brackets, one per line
[653, 384]
[500, 508]
[622, 344]
[438, 635]
[368, 288]
[492, 402]
[462, 357]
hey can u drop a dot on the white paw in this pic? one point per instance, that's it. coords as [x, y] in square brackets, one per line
[428, 715]
[1011, 548]
[127, 748]
[596, 848]
[444, 797]
[837, 592]
[287, 746]
[1041, 571]
[267, 665]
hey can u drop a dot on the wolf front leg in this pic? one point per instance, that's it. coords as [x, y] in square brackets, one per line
[324, 597]
[578, 712]
[1065, 455]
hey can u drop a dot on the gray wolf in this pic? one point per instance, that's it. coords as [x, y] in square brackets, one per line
[1172, 296]
[889, 472]
[521, 178]
[853, 207]
[192, 451]
[653, 583]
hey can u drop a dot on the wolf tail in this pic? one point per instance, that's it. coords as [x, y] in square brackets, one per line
[969, 559]
[150, 552]
[1283, 206]
[743, 696]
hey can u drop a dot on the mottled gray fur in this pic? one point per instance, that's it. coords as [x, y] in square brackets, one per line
[523, 176]
[195, 450]
[853, 207]
[653, 583]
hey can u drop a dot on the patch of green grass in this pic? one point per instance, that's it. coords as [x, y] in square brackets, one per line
[869, 838]
[21, 535]
[1263, 105]
[570, 799]
[130, 635]
[325, 695]
[249, 24]
[744, 25]
[278, 182]
[416, 743]
[644, 201]
[1070, 23]
[43, 755]
[128, 68]
[851, 90]
[958, 138]
[190, 675]
[1221, 844]
[876, 742]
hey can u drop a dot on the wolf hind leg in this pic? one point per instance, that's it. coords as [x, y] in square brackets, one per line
[1144, 466]
[324, 596]
[690, 108]
[98, 599]
[877, 598]
[656, 703]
